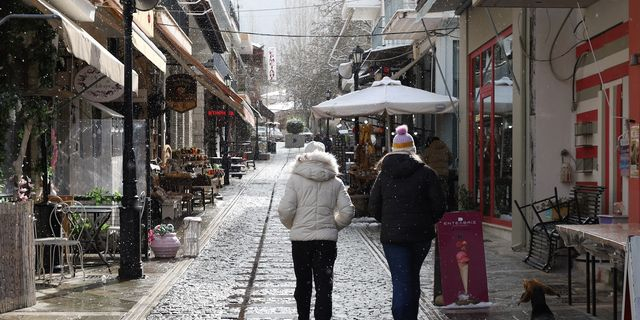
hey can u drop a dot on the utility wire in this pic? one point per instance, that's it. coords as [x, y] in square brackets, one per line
[435, 31]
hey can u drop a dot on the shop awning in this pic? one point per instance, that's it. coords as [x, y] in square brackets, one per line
[107, 111]
[442, 5]
[141, 42]
[210, 80]
[83, 46]
[405, 24]
[76, 10]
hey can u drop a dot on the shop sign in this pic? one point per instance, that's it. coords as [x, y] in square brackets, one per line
[271, 64]
[634, 137]
[219, 113]
[462, 264]
[104, 90]
[181, 92]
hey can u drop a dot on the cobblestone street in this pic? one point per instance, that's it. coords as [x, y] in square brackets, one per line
[245, 271]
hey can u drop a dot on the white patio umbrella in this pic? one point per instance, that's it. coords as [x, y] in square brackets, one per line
[502, 98]
[388, 96]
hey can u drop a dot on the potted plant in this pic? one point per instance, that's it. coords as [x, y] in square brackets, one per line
[465, 199]
[163, 241]
[293, 138]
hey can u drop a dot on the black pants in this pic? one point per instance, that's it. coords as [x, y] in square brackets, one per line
[314, 260]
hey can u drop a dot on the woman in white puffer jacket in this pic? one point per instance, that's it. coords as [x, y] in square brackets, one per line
[315, 206]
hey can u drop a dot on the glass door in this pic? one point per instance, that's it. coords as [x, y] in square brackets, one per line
[490, 125]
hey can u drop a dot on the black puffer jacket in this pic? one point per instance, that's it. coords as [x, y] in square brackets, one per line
[407, 199]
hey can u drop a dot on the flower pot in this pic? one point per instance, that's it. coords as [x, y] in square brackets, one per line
[165, 246]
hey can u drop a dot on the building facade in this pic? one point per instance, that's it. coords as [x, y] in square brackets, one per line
[540, 87]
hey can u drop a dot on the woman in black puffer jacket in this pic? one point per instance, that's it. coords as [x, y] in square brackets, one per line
[407, 199]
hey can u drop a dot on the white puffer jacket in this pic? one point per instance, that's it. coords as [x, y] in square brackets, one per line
[315, 204]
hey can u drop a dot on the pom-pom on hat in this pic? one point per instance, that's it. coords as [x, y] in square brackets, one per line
[314, 146]
[403, 141]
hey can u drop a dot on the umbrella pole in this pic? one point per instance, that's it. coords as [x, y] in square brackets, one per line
[387, 131]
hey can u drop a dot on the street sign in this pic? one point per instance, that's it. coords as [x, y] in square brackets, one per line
[462, 264]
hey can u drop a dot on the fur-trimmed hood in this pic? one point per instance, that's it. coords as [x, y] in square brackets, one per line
[317, 166]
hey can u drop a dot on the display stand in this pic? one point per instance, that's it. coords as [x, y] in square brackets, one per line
[462, 261]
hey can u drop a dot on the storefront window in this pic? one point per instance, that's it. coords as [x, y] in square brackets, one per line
[490, 120]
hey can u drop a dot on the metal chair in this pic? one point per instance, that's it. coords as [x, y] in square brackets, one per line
[71, 227]
[586, 205]
[544, 240]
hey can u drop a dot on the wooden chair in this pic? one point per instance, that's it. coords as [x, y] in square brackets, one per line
[544, 240]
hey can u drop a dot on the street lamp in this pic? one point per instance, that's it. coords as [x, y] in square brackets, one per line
[356, 59]
[130, 235]
[327, 95]
[226, 165]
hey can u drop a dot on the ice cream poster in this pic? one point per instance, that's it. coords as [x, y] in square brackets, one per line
[463, 268]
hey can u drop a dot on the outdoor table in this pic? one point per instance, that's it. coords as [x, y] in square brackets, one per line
[606, 241]
[97, 224]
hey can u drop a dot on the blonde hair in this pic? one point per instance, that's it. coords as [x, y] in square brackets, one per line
[413, 155]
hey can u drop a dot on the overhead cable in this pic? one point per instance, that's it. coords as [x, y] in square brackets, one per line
[318, 36]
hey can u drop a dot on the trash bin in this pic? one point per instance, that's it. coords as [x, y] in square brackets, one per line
[271, 146]
[191, 235]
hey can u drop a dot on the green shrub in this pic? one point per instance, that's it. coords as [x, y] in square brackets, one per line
[295, 126]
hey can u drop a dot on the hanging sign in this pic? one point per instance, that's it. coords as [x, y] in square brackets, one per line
[634, 137]
[104, 90]
[623, 145]
[462, 264]
[271, 64]
[181, 92]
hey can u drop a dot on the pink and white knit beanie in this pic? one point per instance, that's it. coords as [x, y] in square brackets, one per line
[403, 141]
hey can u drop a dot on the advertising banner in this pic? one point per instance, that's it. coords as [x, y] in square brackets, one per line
[462, 264]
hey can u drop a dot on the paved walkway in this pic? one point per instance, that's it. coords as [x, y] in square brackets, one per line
[244, 271]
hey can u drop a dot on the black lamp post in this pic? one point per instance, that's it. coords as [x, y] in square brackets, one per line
[130, 263]
[356, 59]
[226, 165]
[327, 94]
[256, 152]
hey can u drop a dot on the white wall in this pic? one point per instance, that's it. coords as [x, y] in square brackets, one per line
[445, 124]
[603, 15]
[550, 116]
